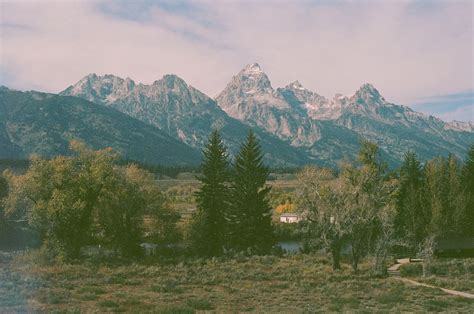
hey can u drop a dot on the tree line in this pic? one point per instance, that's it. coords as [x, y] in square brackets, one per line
[91, 198]
[371, 211]
[362, 208]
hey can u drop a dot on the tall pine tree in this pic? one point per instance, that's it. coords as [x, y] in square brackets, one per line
[455, 199]
[208, 229]
[412, 213]
[250, 219]
[467, 179]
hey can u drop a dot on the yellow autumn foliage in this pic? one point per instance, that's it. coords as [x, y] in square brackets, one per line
[287, 207]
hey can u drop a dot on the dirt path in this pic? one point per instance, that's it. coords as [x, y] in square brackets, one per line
[453, 292]
[394, 272]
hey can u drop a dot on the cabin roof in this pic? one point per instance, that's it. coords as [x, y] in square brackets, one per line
[289, 215]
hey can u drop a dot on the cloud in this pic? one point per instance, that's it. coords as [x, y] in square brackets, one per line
[459, 106]
[407, 49]
[465, 113]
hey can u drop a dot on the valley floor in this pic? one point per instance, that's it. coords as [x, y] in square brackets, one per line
[301, 283]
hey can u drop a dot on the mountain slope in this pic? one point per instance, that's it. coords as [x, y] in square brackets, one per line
[398, 128]
[329, 130]
[43, 124]
[181, 111]
[250, 97]
[296, 125]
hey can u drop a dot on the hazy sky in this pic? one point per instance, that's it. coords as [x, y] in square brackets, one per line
[417, 53]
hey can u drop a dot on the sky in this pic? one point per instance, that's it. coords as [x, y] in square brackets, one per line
[416, 53]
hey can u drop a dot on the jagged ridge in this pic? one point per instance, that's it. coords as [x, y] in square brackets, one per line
[300, 123]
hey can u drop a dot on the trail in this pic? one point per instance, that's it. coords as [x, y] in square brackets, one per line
[394, 272]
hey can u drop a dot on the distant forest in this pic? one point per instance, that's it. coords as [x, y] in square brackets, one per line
[168, 171]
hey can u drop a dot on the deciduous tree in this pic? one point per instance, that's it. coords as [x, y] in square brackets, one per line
[72, 200]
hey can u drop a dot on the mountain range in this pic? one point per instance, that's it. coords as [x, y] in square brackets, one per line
[169, 121]
[44, 124]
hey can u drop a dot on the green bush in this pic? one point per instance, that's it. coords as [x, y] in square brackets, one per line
[200, 304]
[411, 270]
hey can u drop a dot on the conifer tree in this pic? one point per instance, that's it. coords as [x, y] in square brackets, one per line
[454, 197]
[412, 214]
[467, 179]
[208, 230]
[250, 218]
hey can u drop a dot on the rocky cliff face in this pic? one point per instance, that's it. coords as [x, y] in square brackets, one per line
[315, 106]
[312, 122]
[460, 126]
[250, 97]
[296, 125]
[181, 111]
[169, 104]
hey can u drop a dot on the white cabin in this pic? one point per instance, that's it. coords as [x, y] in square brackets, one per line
[290, 218]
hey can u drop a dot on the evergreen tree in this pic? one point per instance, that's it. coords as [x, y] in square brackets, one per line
[412, 216]
[467, 180]
[208, 230]
[436, 192]
[454, 209]
[250, 218]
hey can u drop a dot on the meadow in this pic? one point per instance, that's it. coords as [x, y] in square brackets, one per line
[299, 283]
[180, 282]
[449, 273]
[180, 191]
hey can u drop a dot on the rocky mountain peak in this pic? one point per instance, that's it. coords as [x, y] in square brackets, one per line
[101, 89]
[368, 92]
[173, 78]
[303, 95]
[253, 68]
[90, 77]
[296, 85]
[251, 80]
[172, 82]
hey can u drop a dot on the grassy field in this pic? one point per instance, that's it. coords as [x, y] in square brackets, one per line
[180, 192]
[302, 283]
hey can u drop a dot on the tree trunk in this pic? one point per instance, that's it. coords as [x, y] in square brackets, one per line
[355, 262]
[355, 257]
[336, 256]
[427, 252]
[379, 265]
[380, 257]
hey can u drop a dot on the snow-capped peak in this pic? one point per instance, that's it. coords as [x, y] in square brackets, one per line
[460, 126]
[253, 68]
[251, 80]
[100, 88]
[340, 96]
[296, 85]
